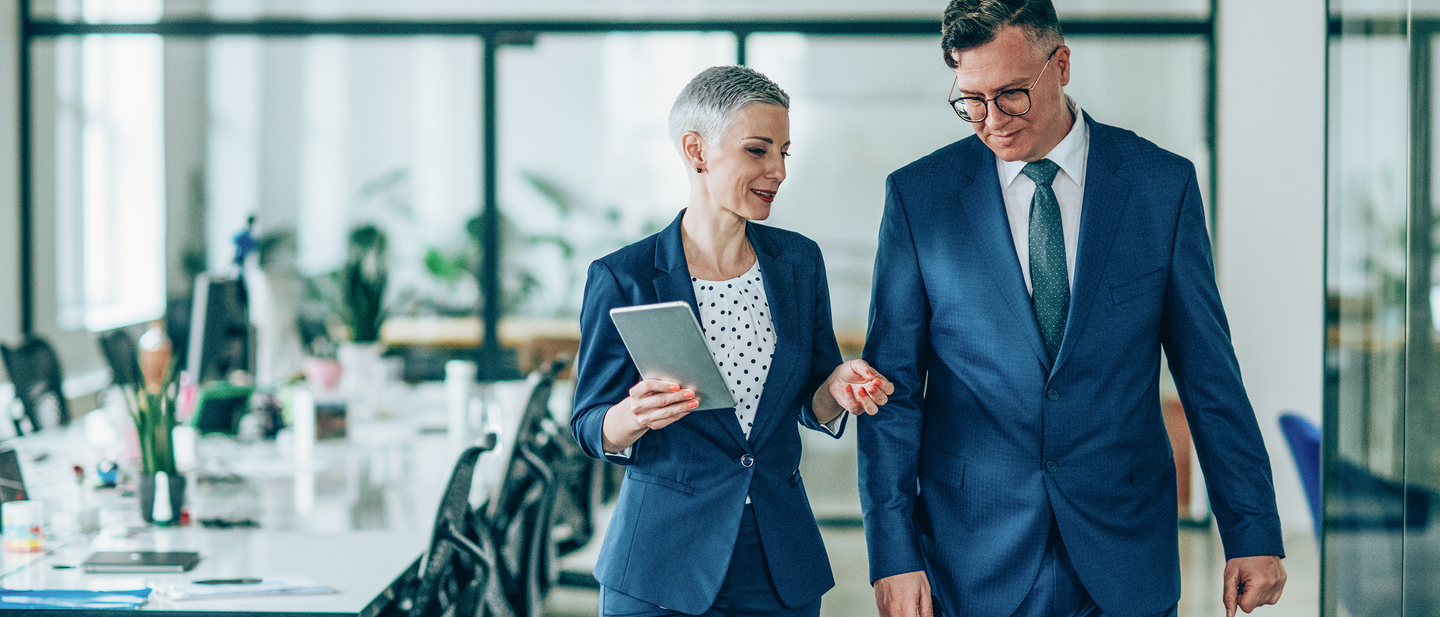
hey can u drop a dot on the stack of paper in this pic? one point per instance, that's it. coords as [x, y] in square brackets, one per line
[272, 586]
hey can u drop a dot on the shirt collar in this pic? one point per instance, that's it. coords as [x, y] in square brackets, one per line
[1069, 154]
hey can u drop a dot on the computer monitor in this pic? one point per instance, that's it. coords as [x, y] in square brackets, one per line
[221, 339]
[12, 484]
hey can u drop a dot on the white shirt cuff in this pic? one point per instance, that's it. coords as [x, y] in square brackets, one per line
[834, 425]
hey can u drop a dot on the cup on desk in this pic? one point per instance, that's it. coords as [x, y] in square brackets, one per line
[22, 521]
[459, 381]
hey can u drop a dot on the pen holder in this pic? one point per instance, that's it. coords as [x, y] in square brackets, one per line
[175, 490]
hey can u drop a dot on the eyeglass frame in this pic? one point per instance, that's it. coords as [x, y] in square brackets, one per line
[1029, 102]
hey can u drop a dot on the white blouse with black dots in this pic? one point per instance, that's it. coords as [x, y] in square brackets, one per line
[735, 316]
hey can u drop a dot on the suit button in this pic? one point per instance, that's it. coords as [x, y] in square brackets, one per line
[1052, 394]
[1052, 466]
[747, 460]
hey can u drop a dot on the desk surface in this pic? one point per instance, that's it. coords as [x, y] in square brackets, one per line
[355, 518]
[360, 565]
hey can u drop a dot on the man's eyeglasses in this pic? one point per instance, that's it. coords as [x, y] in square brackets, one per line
[1013, 102]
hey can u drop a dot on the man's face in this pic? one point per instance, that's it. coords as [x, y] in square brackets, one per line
[1010, 61]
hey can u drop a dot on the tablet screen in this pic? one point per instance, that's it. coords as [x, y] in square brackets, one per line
[665, 342]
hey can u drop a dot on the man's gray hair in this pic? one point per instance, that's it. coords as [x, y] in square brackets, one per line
[708, 103]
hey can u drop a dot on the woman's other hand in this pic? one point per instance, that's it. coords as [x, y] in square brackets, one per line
[653, 404]
[854, 387]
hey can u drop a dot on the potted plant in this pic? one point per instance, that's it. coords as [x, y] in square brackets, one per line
[363, 283]
[152, 407]
[362, 288]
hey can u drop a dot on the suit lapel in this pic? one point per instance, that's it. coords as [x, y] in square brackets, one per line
[778, 276]
[672, 282]
[1100, 212]
[983, 206]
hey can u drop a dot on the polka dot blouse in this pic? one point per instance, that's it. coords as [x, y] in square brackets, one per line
[735, 316]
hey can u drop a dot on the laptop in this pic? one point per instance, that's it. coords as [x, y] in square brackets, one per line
[140, 561]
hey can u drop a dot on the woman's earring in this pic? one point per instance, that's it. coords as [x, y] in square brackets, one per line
[697, 170]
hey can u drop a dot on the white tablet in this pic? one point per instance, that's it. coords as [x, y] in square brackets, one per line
[665, 342]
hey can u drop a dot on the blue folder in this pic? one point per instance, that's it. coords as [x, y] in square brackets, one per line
[73, 598]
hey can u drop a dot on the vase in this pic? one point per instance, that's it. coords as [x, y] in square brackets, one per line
[362, 378]
[176, 490]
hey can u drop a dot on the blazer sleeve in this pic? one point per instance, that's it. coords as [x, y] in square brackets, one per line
[1196, 339]
[898, 346]
[604, 371]
[824, 353]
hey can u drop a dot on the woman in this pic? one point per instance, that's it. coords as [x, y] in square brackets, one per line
[712, 517]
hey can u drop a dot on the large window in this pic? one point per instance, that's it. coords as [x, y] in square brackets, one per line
[109, 187]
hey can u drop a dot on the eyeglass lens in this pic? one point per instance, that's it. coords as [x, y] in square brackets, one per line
[1010, 102]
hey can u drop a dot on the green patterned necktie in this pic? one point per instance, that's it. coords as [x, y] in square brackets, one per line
[1049, 277]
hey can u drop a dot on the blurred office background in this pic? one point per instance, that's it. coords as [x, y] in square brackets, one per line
[157, 128]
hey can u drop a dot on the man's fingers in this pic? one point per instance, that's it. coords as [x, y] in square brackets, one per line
[1232, 581]
[926, 610]
[1249, 599]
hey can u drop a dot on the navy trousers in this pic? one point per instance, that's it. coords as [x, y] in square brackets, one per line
[1057, 591]
[747, 591]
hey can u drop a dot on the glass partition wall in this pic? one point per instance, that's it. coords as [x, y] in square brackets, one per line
[319, 117]
[1381, 454]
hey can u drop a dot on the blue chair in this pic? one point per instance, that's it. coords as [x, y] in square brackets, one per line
[1362, 500]
[1304, 440]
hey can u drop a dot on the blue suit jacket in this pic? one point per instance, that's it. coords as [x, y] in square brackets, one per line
[678, 516]
[1007, 438]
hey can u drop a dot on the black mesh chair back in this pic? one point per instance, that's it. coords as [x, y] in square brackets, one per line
[458, 574]
[498, 560]
[521, 518]
[35, 372]
[123, 356]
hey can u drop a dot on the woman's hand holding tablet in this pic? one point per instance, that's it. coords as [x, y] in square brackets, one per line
[679, 373]
[653, 404]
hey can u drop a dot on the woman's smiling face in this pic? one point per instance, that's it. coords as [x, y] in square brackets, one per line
[743, 171]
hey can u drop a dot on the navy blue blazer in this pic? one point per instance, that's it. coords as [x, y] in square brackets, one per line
[678, 516]
[1008, 438]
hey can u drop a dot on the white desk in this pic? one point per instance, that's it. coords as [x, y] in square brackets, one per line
[355, 519]
[360, 565]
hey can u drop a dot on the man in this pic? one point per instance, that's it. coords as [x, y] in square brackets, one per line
[1026, 281]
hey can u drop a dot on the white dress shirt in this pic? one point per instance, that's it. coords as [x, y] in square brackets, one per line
[1069, 186]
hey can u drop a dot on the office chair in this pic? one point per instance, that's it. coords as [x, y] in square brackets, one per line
[1370, 522]
[521, 518]
[498, 559]
[1304, 440]
[123, 356]
[34, 370]
[458, 574]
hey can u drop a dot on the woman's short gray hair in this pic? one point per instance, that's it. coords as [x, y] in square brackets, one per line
[708, 103]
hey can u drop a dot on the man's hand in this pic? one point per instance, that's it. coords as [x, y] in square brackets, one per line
[904, 595]
[1249, 582]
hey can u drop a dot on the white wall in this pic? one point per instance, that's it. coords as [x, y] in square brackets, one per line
[9, 176]
[1270, 236]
